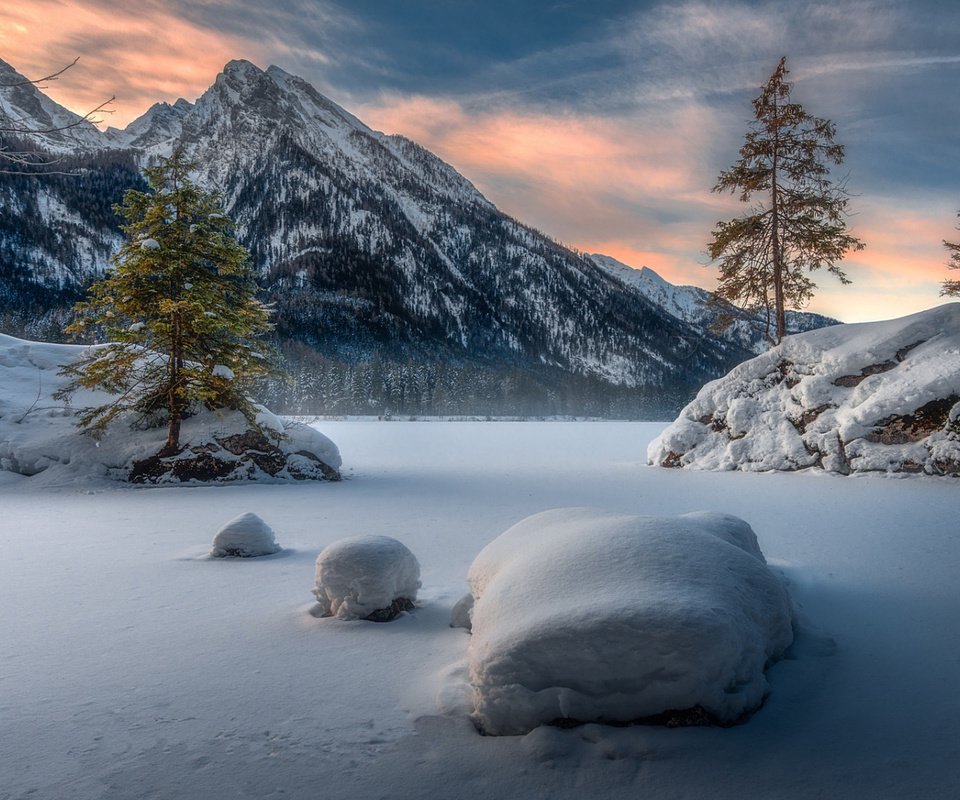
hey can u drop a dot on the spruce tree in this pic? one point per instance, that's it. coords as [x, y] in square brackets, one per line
[178, 309]
[952, 287]
[797, 222]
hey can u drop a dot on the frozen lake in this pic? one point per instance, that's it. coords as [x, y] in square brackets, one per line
[132, 667]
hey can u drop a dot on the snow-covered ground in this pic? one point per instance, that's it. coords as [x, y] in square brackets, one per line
[133, 665]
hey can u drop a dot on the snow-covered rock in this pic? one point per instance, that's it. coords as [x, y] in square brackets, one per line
[588, 616]
[366, 577]
[878, 396]
[38, 434]
[246, 536]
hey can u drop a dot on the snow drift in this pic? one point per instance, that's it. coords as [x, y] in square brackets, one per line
[39, 434]
[588, 616]
[878, 396]
[366, 577]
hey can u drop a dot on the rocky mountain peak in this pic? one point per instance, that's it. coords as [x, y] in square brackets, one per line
[26, 110]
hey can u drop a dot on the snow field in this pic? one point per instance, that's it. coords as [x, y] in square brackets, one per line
[133, 665]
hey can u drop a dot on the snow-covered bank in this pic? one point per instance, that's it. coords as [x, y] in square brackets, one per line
[876, 396]
[38, 434]
[133, 665]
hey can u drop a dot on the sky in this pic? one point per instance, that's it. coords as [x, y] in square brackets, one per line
[603, 124]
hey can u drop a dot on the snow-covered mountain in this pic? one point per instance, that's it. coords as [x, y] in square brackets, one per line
[161, 123]
[373, 251]
[24, 108]
[692, 305]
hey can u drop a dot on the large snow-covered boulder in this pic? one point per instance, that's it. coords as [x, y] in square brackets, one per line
[580, 615]
[366, 577]
[39, 434]
[246, 536]
[877, 396]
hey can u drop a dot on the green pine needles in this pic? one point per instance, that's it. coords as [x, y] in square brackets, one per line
[179, 310]
[797, 223]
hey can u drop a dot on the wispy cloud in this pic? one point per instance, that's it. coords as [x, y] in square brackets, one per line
[607, 135]
[152, 50]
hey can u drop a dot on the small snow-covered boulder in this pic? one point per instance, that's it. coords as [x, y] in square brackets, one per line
[366, 577]
[245, 536]
[586, 616]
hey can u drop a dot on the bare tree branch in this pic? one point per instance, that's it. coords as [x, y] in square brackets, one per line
[22, 161]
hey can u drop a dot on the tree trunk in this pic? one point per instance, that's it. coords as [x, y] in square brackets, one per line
[777, 253]
[172, 445]
[778, 300]
[174, 409]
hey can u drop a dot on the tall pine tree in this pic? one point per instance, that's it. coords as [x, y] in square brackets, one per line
[178, 308]
[797, 222]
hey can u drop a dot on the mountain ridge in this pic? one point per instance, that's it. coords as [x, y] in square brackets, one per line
[375, 251]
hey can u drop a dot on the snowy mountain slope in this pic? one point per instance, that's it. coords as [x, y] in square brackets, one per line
[877, 396]
[690, 303]
[24, 107]
[161, 123]
[370, 246]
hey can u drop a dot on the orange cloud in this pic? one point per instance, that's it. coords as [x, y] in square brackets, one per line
[638, 189]
[621, 185]
[139, 53]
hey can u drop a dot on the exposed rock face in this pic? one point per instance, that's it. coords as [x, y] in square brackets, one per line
[241, 456]
[881, 396]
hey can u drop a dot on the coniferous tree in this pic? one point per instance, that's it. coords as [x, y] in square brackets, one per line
[178, 308]
[952, 287]
[797, 223]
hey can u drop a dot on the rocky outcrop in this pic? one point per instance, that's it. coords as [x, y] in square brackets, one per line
[881, 396]
[248, 455]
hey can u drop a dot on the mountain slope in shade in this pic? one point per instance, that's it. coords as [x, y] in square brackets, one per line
[691, 304]
[373, 248]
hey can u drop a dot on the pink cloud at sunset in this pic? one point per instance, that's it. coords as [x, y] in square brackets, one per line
[631, 180]
[141, 53]
[639, 190]
[623, 186]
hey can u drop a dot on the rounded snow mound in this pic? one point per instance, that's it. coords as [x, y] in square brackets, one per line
[246, 536]
[366, 577]
[876, 396]
[38, 434]
[580, 615]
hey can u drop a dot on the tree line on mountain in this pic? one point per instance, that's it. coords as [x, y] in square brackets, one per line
[44, 266]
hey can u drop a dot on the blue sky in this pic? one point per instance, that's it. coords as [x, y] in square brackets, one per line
[602, 123]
